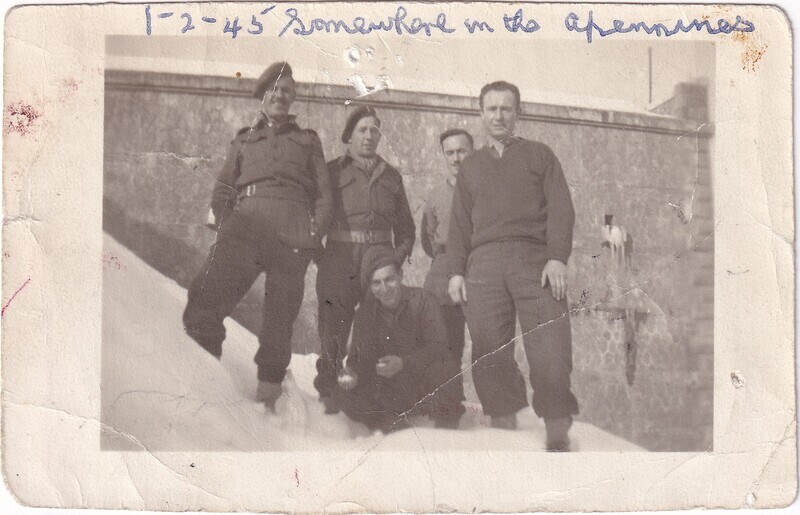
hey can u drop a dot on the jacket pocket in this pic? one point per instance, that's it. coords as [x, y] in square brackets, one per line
[385, 197]
[296, 151]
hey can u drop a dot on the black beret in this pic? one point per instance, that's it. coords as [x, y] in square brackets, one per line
[374, 258]
[357, 114]
[270, 76]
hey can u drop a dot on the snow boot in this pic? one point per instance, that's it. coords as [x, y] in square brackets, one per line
[557, 429]
[331, 403]
[268, 393]
[450, 422]
[391, 425]
[505, 422]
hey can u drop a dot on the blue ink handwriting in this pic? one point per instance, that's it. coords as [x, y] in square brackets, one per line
[514, 23]
[620, 27]
[359, 25]
[481, 25]
[401, 22]
[231, 27]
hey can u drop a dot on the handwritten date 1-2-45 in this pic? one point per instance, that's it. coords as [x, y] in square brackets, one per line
[255, 27]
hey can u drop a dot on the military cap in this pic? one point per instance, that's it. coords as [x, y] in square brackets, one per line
[375, 258]
[357, 114]
[270, 76]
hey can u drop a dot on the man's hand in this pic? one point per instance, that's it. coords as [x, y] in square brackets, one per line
[388, 366]
[347, 379]
[457, 289]
[555, 273]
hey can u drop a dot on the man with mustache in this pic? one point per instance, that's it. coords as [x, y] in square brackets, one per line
[398, 364]
[271, 204]
[509, 240]
[369, 208]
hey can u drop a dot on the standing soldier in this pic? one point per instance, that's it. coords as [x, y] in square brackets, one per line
[456, 145]
[369, 208]
[511, 236]
[271, 202]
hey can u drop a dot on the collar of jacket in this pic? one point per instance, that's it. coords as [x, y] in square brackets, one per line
[377, 168]
[264, 122]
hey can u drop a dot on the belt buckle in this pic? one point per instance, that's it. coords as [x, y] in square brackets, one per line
[368, 237]
[250, 190]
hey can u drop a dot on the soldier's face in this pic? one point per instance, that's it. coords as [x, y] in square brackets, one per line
[499, 113]
[455, 149]
[366, 136]
[278, 100]
[385, 285]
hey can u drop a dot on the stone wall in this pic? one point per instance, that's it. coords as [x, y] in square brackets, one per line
[166, 136]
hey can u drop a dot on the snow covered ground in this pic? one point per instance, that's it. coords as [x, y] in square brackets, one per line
[161, 391]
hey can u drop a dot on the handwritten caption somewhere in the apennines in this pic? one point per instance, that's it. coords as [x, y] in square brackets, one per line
[400, 21]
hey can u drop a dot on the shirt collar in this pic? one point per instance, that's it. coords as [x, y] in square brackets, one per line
[500, 146]
[280, 127]
[362, 164]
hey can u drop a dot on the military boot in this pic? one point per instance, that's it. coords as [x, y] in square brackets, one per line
[268, 393]
[331, 403]
[557, 429]
[451, 422]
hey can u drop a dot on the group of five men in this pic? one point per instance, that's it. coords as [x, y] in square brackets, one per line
[499, 230]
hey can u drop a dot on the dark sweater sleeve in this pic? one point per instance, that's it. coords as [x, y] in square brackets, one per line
[427, 229]
[223, 196]
[560, 211]
[323, 208]
[459, 234]
[404, 227]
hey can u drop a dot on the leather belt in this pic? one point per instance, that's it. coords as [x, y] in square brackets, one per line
[250, 189]
[383, 236]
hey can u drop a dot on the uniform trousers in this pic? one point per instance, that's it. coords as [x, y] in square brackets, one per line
[436, 283]
[385, 404]
[246, 246]
[339, 292]
[504, 282]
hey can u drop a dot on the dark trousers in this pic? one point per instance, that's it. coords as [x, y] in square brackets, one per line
[339, 291]
[454, 322]
[246, 246]
[436, 282]
[386, 404]
[503, 283]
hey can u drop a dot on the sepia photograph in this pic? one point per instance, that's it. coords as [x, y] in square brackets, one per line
[480, 253]
[383, 257]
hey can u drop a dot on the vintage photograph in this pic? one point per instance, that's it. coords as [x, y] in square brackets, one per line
[375, 258]
[309, 250]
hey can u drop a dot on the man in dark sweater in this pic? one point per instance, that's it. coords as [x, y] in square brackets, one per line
[398, 363]
[509, 240]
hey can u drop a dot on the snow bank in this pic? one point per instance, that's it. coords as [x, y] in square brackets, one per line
[161, 391]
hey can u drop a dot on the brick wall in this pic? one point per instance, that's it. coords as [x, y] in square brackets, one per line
[166, 136]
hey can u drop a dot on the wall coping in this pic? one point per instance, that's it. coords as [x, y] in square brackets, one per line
[405, 100]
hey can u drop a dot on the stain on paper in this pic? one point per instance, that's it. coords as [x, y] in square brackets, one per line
[20, 118]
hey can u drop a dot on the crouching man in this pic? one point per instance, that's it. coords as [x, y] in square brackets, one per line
[398, 364]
